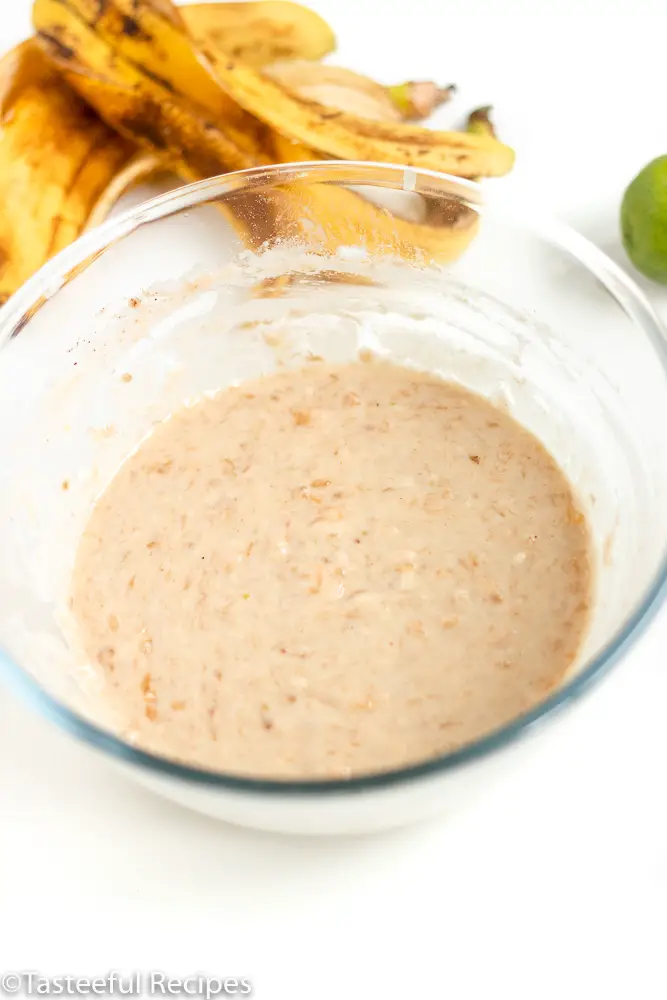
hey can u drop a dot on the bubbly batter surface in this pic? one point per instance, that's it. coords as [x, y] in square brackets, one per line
[331, 571]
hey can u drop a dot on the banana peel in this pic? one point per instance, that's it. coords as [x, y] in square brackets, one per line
[345, 90]
[327, 217]
[176, 64]
[57, 160]
[143, 166]
[154, 45]
[133, 100]
[166, 122]
[117, 74]
[336, 87]
[261, 32]
[348, 137]
[62, 169]
[136, 105]
[157, 39]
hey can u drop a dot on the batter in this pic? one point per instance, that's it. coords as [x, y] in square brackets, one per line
[331, 571]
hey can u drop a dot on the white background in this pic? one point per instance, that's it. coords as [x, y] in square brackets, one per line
[555, 885]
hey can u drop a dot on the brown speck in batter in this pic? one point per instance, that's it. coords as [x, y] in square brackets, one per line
[106, 657]
[415, 628]
[162, 468]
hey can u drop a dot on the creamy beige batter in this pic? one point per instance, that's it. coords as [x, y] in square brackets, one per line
[331, 571]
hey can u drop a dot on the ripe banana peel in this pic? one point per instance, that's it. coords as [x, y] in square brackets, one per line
[141, 167]
[142, 93]
[327, 216]
[345, 90]
[156, 109]
[132, 98]
[62, 169]
[57, 160]
[260, 33]
[155, 42]
[153, 38]
[348, 137]
[336, 87]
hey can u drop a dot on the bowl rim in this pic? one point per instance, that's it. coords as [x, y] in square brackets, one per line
[74, 259]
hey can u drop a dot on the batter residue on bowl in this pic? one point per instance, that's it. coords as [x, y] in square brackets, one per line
[331, 571]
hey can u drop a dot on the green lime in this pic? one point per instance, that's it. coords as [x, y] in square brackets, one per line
[644, 220]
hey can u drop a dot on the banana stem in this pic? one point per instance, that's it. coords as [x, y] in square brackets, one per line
[479, 122]
[417, 99]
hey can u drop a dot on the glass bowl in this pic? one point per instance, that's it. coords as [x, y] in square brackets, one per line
[236, 276]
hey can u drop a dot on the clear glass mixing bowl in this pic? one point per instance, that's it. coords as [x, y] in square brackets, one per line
[188, 299]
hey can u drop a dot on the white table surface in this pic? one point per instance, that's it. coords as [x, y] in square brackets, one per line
[554, 885]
